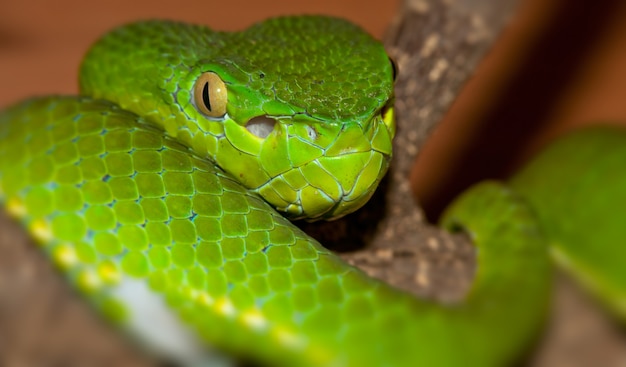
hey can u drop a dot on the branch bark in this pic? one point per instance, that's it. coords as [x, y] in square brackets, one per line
[437, 45]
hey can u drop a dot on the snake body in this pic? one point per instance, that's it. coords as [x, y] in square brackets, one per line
[154, 182]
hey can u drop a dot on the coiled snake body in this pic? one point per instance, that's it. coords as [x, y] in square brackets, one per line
[150, 191]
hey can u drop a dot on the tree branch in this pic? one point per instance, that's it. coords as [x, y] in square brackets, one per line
[437, 45]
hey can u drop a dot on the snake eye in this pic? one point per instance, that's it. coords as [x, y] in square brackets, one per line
[210, 95]
[394, 68]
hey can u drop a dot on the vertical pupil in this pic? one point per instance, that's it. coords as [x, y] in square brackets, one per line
[394, 69]
[205, 96]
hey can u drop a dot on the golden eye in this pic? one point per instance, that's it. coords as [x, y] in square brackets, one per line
[210, 95]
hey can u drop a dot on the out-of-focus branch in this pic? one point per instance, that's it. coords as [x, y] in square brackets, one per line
[437, 45]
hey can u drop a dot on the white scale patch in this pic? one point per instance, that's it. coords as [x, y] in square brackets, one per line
[159, 329]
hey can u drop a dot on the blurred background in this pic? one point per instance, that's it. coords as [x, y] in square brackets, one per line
[560, 64]
[42, 41]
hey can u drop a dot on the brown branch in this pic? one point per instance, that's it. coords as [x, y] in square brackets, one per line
[437, 45]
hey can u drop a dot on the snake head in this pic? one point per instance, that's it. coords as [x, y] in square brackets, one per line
[298, 109]
[306, 167]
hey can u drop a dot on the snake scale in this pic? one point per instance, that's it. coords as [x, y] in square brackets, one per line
[162, 193]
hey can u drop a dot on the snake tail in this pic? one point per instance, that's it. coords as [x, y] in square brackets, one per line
[577, 188]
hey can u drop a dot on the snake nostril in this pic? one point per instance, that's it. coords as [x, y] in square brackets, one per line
[311, 132]
[261, 126]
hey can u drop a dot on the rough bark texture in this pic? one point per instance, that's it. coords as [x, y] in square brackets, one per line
[436, 44]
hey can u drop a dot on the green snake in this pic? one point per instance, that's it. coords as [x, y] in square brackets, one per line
[157, 191]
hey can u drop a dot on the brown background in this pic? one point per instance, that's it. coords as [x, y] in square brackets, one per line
[42, 42]
[560, 64]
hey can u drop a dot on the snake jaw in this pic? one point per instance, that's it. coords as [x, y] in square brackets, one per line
[305, 168]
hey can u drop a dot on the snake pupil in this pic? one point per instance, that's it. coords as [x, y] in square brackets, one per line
[394, 69]
[205, 96]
